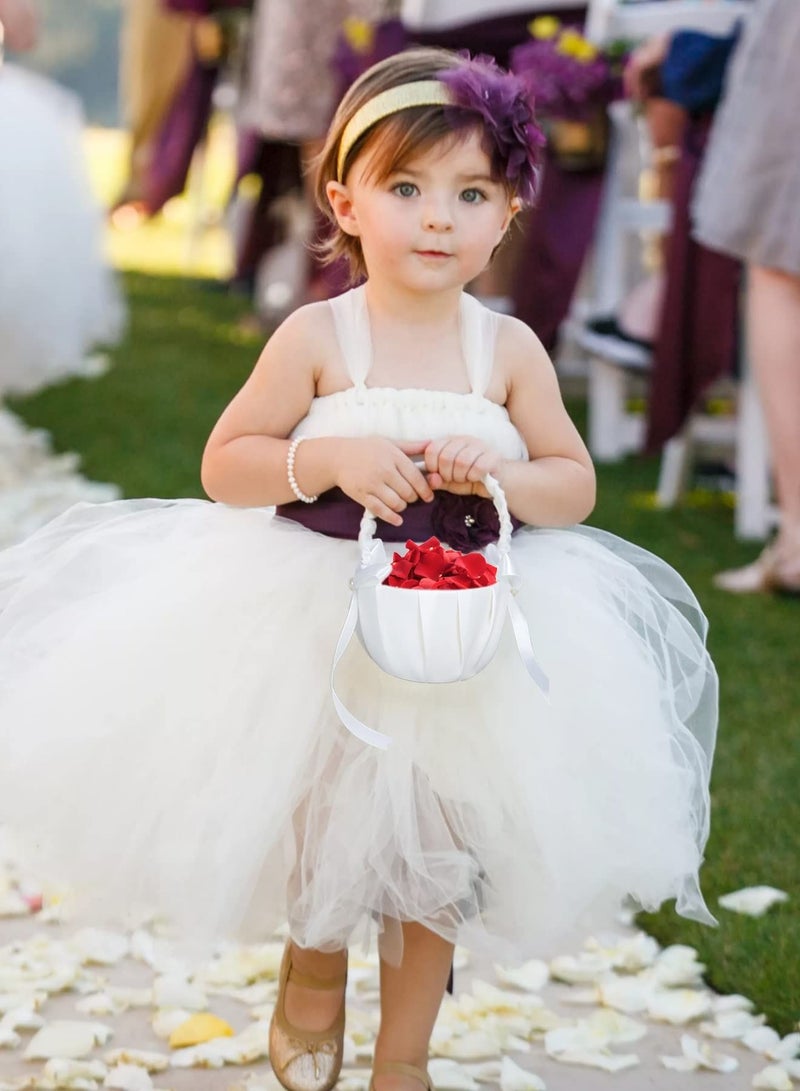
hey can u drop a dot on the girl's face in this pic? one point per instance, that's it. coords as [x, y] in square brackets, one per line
[432, 225]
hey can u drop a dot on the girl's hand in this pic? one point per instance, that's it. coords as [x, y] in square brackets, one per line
[459, 464]
[379, 475]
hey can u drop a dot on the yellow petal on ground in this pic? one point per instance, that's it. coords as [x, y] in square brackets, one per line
[199, 1028]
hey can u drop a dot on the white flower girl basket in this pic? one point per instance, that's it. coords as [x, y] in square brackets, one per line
[431, 636]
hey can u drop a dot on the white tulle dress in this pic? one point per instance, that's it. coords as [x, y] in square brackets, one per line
[58, 298]
[169, 737]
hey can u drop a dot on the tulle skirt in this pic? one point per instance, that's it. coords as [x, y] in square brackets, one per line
[168, 739]
[57, 297]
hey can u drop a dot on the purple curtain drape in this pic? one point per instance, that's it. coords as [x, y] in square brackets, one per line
[697, 338]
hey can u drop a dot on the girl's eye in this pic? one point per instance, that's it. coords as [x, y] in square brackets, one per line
[473, 196]
[405, 189]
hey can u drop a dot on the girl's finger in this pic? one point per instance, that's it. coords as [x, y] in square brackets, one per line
[402, 485]
[480, 468]
[447, 458]
[432, 452]
[416, 480]
[391, 498]
[463, 465]
[375, 506]
[413, 447]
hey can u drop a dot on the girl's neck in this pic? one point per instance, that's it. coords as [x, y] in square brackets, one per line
[432, 310]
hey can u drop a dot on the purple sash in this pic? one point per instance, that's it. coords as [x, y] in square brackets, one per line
[465, 522]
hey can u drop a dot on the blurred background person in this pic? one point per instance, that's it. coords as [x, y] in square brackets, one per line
[289, 94]
[20, 22]
[748, 206]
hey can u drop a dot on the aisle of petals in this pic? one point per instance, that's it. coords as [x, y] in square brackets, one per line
[36, 485]
[133, 1015]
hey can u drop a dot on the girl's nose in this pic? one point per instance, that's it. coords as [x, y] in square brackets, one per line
[437, 217]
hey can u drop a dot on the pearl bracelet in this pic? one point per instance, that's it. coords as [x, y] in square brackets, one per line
[290, 457]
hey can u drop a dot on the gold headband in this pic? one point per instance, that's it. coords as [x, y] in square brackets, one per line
[392, 101]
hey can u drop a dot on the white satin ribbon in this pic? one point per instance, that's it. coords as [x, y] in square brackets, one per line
[351, 722]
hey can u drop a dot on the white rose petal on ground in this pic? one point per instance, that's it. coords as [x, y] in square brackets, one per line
[157, 954]
[165, 1020]
[9, 1039]
[586, 1044]
[100, 946]
[530, 976]
[616, 1028]
[177, 992]
[241, 965]
[732, 1024]
[449, 1075]
[631, 954]
[153, 1062]
[100, 1004]
[465, 1047]
[485, 1071]
[66, 1039]
[626, 994]
[582, 969]
[753, 901]
[128, 1077]
[12, 904]
[733, 1002]
[22, 1019]
[678, 1006]
[767, 1041]
[11, 1000]
[503, 1001]
[678, 965]
[352, 1082]
[515, 1078]
[65, 1073]
[773, 1078]
[697, 1055]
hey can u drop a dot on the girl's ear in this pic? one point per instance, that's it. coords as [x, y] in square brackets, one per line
[514, 207]
[342, 204]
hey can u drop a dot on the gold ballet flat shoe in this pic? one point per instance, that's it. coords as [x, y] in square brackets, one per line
[305, 1060]
[399, 1068]
[771, 572]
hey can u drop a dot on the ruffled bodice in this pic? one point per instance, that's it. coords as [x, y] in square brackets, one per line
[409, 414]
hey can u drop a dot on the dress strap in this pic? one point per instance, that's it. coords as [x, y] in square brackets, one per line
[478, 336]
[351, 319]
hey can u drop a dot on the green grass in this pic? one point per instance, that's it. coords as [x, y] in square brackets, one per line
[144, 425]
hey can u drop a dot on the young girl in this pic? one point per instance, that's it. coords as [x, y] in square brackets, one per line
[168, 726]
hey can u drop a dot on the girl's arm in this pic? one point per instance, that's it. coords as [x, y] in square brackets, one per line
[244, 462]
[556, 487]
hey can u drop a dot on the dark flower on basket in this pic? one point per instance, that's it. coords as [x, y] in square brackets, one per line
[567, 75]
[464, 522]
[505, 107]
[429, 566]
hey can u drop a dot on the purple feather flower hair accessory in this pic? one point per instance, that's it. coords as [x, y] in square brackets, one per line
[501, 99]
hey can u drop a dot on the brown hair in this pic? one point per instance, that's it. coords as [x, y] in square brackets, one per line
[392, 142]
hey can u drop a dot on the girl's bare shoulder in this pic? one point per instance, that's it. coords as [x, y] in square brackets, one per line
[520, 357]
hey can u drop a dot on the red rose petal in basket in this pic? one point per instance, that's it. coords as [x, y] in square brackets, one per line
[429, 566]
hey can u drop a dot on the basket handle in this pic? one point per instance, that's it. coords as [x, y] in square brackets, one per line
[366, 534]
